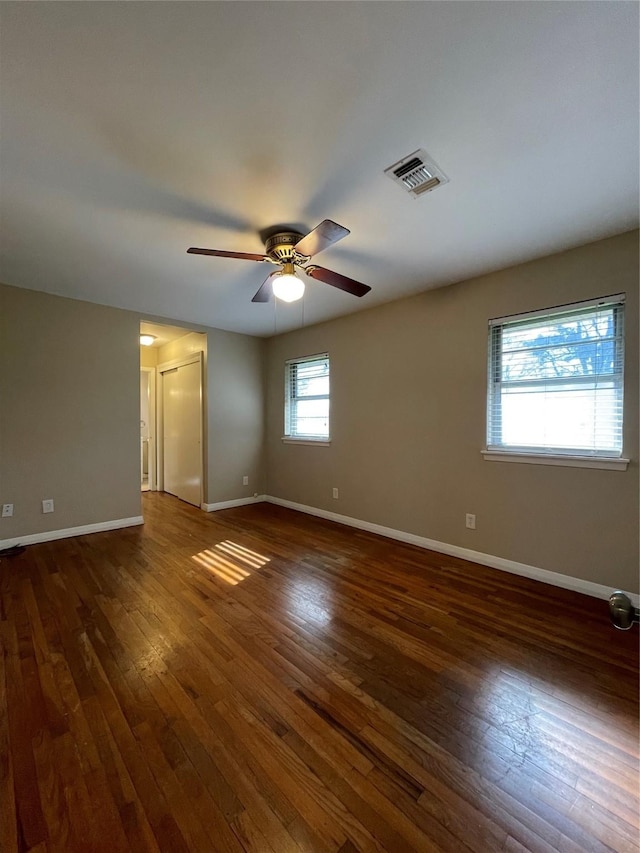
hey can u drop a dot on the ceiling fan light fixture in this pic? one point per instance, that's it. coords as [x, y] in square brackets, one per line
[290, 249]
[288, 287]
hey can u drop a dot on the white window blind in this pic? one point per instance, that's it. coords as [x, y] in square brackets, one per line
[306, 408]
[556, 380]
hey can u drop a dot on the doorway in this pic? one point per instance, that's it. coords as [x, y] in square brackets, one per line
[180, 428]
[147, 429]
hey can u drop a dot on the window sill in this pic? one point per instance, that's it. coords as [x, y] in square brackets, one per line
[321, 442]
[611, 464]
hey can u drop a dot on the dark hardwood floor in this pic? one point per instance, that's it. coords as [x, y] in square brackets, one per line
[257, 679]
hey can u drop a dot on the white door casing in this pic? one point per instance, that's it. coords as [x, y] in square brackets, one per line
[148, 432]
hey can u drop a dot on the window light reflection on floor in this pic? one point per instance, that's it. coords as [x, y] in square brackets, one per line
[229, 561]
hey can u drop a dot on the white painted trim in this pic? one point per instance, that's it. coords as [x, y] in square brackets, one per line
[612, 464]
[152, 444]
[319, 442]
[604, 301]
[544, 575]
[229, 504]
[179, 362]
[67, 532]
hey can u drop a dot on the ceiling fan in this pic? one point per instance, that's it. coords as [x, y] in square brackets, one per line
[290, 250]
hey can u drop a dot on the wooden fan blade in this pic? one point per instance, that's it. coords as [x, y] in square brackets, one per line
[219, 253]
[322, 236]
[265, 291]
[336, 280]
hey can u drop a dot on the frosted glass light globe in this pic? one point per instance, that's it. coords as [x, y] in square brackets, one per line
[288, 287]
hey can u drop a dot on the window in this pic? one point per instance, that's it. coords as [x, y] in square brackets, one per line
[306, 407]
[556, 381]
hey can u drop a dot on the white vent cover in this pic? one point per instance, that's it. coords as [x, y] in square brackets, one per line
[418, 173]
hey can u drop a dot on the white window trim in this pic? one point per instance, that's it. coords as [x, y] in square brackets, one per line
[309, 439]
[611, 463]
[602, 301]
[570, 458]
[317, 442]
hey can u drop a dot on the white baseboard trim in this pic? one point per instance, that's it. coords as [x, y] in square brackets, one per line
[67, 532]
[585, 587]
[229, 504]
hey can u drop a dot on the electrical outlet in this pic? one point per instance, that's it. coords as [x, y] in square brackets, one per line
[245, 480]
[335, 494]
[47, 505]
[471, 521]
[7, 510]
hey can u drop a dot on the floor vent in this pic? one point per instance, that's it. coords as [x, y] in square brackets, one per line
[418, 173]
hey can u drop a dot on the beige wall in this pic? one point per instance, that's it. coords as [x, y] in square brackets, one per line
[69, 412]
[408, 403]
[148, 356]
[235, 413]
[408, 420]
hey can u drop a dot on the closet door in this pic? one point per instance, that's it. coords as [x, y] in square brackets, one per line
[182, 431]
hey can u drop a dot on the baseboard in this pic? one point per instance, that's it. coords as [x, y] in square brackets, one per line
[585, 587]
[67, 532]
[229, 504]
[544, 575]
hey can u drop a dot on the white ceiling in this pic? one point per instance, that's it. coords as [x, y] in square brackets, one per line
[131, 131]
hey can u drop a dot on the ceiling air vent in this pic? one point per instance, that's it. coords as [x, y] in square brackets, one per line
[418, 173]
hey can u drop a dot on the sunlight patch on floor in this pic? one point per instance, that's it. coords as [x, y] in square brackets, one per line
[251, 558]
[229, 561]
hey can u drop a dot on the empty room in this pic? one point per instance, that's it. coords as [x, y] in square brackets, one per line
[319, 441]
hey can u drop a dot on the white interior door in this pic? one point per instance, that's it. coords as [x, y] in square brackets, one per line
[182, 429]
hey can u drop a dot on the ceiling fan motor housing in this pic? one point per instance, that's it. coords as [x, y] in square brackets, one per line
[281, 247]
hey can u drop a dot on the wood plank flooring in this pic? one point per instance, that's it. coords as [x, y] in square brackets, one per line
[257, 679]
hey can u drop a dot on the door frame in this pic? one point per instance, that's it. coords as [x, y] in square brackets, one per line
[195, 358]
[152, 451]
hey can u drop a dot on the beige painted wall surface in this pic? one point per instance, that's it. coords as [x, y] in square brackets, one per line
[235, 412]
[69, 412]
[408, 404]
[148, 356]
